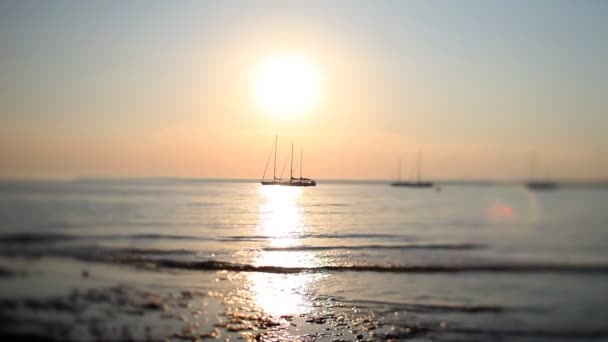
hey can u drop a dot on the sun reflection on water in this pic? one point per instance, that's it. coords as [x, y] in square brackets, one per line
[281, 219]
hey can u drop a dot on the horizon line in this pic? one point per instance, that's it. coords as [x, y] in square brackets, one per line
[448, 181]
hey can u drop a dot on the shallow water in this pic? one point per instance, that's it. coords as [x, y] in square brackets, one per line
[468, 262]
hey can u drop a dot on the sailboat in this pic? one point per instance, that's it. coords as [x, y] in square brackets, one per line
[293, 181]
[539, 184]
[418, 183]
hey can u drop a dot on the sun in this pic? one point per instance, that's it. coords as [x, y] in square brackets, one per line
[285, 85]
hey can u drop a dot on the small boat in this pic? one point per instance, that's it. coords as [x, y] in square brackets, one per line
[419, 183]
[413, 184]
[538, 184]
[541, 185]
[293, 181]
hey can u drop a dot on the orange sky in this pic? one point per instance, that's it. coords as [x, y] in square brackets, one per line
[90, 91]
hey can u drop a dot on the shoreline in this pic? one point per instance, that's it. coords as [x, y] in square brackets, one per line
[90, 301]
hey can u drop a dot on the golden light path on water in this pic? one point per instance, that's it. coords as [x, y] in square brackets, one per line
[281, 218]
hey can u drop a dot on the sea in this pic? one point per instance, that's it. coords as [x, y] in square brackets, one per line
[188, 259]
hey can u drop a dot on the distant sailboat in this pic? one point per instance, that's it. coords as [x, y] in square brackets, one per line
[541, 185]
[293, 181]
[538, 184]
[418, 183]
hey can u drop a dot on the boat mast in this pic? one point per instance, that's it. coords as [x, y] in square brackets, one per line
[419, 157]
[301, 152]
[533, 166]
[291, 165]
[274, 169]
[399, 171]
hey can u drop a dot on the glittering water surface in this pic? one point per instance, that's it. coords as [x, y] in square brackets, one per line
[330, 262]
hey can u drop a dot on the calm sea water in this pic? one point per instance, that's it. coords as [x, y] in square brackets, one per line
[486, 261]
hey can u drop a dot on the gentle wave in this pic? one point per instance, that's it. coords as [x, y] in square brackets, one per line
[325, 205]
[318, 236]
[183, 251]
[30, 238]
[462, 246]
[213, 265]
[153, 258]
[27, 238]
[36, 238]
[430, 308]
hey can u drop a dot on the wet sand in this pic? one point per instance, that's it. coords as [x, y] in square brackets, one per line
[86, 302]
[56, 299]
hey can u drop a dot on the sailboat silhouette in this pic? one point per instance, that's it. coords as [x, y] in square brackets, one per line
[418, 183]
[538, 184]
[293, 181]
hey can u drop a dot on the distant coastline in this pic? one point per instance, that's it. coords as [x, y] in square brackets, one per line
[455, 182]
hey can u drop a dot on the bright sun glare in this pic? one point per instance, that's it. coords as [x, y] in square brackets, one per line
[286, 85]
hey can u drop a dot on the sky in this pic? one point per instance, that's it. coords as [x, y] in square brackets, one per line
[164, 88]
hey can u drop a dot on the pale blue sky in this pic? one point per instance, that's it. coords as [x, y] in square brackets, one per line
[481, 78]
